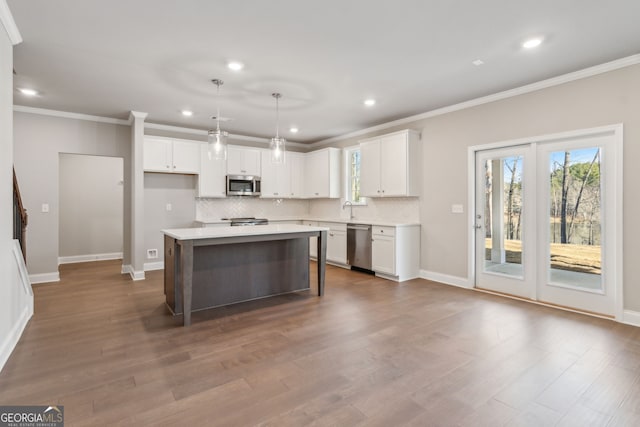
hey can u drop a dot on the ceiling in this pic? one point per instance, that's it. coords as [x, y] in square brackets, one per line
[107, 58]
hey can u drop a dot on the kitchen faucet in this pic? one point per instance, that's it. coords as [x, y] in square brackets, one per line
[348, 203]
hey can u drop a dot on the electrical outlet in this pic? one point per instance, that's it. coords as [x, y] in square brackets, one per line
[169, 207]
[45, 207]
[152, 253]
[457, 209]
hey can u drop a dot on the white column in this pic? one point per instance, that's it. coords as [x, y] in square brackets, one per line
[137, 195]
[497, 209]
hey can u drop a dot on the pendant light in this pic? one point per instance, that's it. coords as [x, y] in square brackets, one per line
[217, 138]
[277, 144]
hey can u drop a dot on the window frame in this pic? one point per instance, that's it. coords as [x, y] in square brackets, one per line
[348, 178]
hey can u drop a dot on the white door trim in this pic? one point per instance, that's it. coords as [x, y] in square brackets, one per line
[618, 135]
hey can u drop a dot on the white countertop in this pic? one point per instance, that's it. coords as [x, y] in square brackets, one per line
[218, 232]
[315, 219]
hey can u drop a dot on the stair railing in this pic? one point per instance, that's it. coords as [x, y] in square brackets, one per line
[20, 218]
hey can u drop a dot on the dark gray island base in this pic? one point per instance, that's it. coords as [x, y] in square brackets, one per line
[221, 267]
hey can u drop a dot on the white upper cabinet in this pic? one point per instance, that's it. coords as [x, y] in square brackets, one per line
[243, 161]
[283, 180]
[297, 175]
[390, 165]
[171, 155]
[276, 177]
[322, 173]
[212, 179]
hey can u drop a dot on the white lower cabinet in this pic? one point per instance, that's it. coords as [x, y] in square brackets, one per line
[336, 242]
[395, 252]
[383, 250]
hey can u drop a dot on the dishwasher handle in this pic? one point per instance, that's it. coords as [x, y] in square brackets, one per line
[358, 227]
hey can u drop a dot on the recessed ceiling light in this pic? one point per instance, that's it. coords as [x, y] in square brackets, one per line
[187, 113]
[28, 92]
[478, 62]
[370, 102]
[293, 129]
[235, 66]
[531, 43]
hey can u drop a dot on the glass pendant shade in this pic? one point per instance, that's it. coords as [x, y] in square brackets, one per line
[277, 144]
[277, 147]
[217, 139]
[217, 149]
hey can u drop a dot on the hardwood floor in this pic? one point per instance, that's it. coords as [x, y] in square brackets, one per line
[370, 352]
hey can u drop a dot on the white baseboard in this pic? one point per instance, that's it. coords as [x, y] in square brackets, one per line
[135, 275]
[9, 342]
[631, 317]
[126, 268]
[461, 282]
[337, 264]
[388, 277]
[87, 258]
[44, 277]
[151, 266]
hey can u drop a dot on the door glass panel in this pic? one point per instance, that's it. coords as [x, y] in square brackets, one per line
[575, 219]
[503, 216]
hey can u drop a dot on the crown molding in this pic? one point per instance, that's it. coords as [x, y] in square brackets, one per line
[69, 115]
[9, 24]
[137, 114]
[133, 115]
[554, 81]
[238, 137]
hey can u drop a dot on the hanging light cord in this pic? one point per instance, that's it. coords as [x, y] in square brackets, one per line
[218, 82]
[277, 97]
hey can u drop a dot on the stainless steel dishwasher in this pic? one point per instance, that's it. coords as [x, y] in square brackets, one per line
[359, 246]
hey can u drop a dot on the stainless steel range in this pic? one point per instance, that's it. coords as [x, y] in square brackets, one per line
[235, 222]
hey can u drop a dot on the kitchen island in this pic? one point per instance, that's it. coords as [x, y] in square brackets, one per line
[212, 267]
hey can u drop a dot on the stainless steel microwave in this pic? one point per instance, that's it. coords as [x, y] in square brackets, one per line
[243, 185]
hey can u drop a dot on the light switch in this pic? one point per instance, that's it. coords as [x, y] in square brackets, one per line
[169, 207]
[457, 209]
[45, 208]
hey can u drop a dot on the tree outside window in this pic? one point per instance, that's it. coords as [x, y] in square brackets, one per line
[352, 193]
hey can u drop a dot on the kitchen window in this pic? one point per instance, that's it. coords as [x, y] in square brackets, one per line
[352, 174]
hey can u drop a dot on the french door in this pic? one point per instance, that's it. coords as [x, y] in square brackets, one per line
[504, 223]
[548, 221]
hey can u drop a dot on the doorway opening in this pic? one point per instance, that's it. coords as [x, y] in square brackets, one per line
[91, 200]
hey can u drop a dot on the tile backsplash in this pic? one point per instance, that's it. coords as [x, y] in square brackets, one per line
[235, 207]
[400, 210]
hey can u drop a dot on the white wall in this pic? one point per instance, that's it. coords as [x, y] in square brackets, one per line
[604, 99]
[16, 299]
[91, 207]
[161, 189]
[38, 141]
